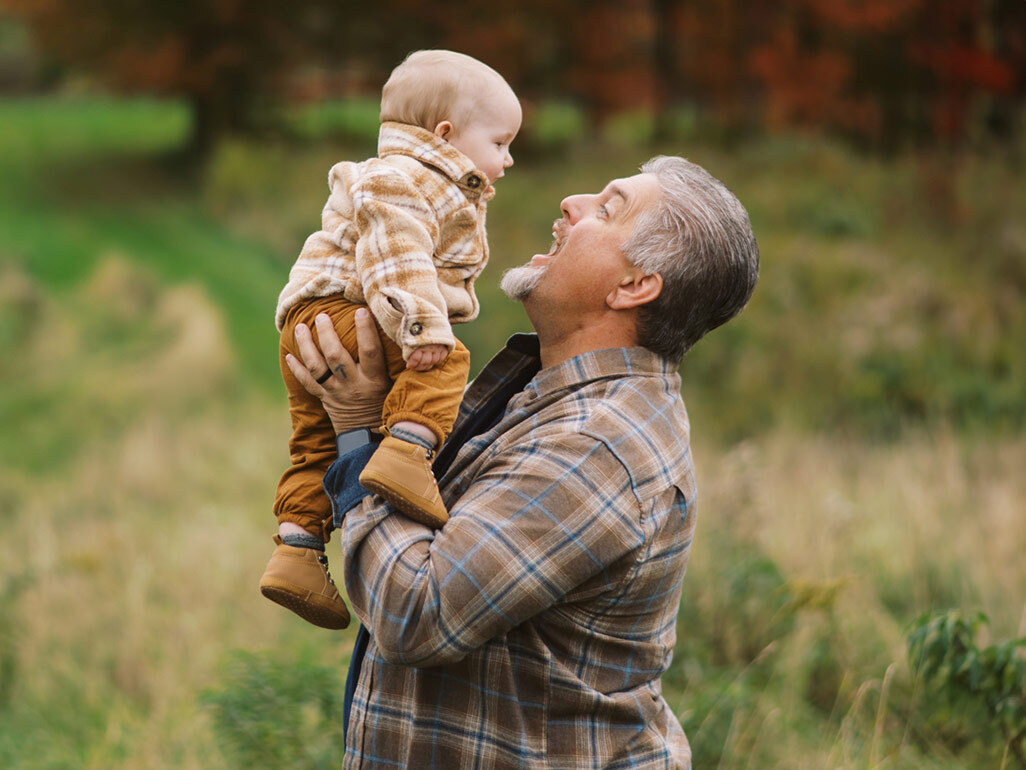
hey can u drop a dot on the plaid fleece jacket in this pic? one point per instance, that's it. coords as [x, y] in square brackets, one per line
[404, 234]
[532, 630]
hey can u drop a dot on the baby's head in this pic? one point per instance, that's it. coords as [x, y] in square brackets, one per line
[460, 99]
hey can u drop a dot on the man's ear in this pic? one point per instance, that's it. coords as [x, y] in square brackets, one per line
[635, 290]
[445, 130]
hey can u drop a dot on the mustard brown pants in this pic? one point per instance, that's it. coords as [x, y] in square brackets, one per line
[430, 398]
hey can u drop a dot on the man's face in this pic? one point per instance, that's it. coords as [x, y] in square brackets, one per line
[586, 261]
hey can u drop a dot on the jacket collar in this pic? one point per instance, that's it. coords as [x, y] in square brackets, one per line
[421, 144]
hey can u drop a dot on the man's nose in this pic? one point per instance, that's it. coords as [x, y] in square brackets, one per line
[572, 206]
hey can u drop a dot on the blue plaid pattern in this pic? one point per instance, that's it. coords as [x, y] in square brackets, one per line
[532, 630]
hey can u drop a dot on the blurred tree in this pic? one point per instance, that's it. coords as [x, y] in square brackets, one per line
[612, 44]
[711, 48]
[889, 72]
[956, 48]
[19, 66]
[227, 58]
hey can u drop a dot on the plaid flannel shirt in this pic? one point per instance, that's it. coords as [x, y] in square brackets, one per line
[404, 234]
[532, 630]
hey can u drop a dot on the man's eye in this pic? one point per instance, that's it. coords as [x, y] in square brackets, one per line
[603, 211]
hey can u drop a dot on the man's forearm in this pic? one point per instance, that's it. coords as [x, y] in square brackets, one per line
[508, 552]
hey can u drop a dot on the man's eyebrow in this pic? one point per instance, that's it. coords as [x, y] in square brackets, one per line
[616, 191]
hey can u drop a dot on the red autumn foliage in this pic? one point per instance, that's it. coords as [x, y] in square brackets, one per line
[883, 71]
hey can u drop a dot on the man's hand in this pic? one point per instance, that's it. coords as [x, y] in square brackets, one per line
[352, 392]
[427, 358]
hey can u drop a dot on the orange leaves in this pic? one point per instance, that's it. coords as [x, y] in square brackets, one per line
[800, 84]
[965, 66]
[863, 15]
[890, 69]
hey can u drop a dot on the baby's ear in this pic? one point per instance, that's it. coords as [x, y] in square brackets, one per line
[445, 130]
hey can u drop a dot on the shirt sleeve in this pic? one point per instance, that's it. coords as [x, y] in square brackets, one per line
[394, 257]
[534, 525]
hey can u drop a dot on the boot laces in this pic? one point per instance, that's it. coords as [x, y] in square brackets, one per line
[324, 563]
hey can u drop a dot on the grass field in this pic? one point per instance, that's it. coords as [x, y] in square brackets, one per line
[858, 433]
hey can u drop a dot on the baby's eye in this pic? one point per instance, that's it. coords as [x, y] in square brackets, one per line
[603, 211]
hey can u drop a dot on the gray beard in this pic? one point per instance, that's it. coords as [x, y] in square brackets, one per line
[518, 282]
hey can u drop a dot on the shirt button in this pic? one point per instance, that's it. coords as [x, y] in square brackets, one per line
[473, 181]
[416, 328]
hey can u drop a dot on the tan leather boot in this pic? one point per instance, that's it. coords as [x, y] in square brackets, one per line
[401, 473]
[298, 579]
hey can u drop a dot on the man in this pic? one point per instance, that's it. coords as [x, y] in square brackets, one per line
[532, 629]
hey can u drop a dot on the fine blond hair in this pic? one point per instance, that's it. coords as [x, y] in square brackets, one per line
[435, 85]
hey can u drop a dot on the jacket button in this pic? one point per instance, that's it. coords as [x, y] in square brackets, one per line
[473, 181]
[416, 328]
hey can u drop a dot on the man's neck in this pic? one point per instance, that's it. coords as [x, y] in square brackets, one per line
[554, 350]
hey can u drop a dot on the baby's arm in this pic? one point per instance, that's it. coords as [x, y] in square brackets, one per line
[398, 231]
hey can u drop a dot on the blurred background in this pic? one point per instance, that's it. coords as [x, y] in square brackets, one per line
[858, 580]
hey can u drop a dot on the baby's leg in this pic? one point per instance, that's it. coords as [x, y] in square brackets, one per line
[427, 403]
[419, 413]
[301, 499]
[297, 574]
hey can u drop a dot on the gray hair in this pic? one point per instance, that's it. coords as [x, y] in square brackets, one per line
[700, 241]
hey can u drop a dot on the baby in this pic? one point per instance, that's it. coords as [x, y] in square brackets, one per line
[403, 234]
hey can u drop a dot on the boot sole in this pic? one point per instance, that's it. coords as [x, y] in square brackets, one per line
[311, 613]
[404, 505]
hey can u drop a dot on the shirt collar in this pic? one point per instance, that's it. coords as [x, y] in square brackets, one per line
[419, 143]
[597, 365]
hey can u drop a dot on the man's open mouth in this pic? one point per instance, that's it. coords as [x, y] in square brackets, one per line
[558, 234]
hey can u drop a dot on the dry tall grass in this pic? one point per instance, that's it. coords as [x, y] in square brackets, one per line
[866, 536]
[128, 573]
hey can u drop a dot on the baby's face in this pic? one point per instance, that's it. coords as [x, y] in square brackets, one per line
[488, 135]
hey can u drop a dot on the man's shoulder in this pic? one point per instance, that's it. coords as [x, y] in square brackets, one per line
[643, 422]
[640, 420]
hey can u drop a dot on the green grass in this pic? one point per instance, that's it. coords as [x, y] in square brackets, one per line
[77, 194]
[145, 428]
[44, 128]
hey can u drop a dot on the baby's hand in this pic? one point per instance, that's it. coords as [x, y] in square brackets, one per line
[427, 358]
